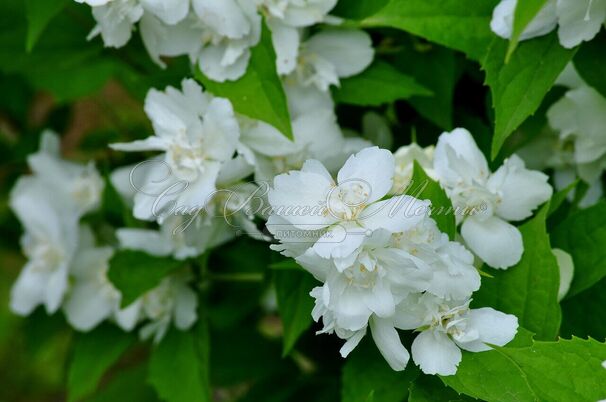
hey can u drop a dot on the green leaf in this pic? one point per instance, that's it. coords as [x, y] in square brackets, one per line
[519, 86]
[524, 13]
[94, 353]
[135, 272]
[590, 63]
[529, 290]
[378, 84]
[367, 377]
[294, 303]
[178, 367]
[424, 187]
[128, 385]
[583, 236]
[558, 198]
[435, 68]
[259, 93]
[458, 24]
[39, 14]
[576, 310]
[563, 371]
[429, 389]
[356, 9]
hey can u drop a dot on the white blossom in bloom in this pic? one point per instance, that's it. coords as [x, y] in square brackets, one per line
[447, 327]
[51, 227]
[405, 157]
[285, 19]
[348, 208]
[486, 202]
[198, 135]
[577, 20]
[77, 187]
[115, 20]
[578, 118]
[329, 55]
[172, 302]
[366, 280]
[49, 242]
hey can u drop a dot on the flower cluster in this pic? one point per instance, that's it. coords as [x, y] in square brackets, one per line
[577, 20]
[573, 145]
[66, 268]
[218, 35]
[383, 262]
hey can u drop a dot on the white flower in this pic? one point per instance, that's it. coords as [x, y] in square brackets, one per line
[232, 27]
[577, 20]
[348, 208]
[488, 200]
[285, 18]
[49, 242]
[405, 157]
[330, 55]
[169, 11]
[92, 298]
[115, 21]
[198, 135]
[172, 301]
[77, 187]
[446, 327]
[49, 204]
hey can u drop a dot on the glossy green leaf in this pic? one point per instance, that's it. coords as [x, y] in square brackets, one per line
[135, 272]
[178, 366]
[39, 14]
[430, 389]
[458, 24]
[94, 353]
[518, 87]
[294, 303]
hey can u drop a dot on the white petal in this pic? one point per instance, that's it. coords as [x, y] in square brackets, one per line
[350, 51]
[267, 140]
[388, 341]
[566, 268]
[296, 195]
[286, 42]
[152, 143]
[352, 342]
[318, 132]
[496, 242]
[128, 317]
[435, 353]
[225, 17]
[211, 64]
[373, 168]
[220, 130]
[579, 20]
[150, 241]
[458, 158]
[493, 327]
[27, 292]
[169, 11]
[88, 304]
[520, 190]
